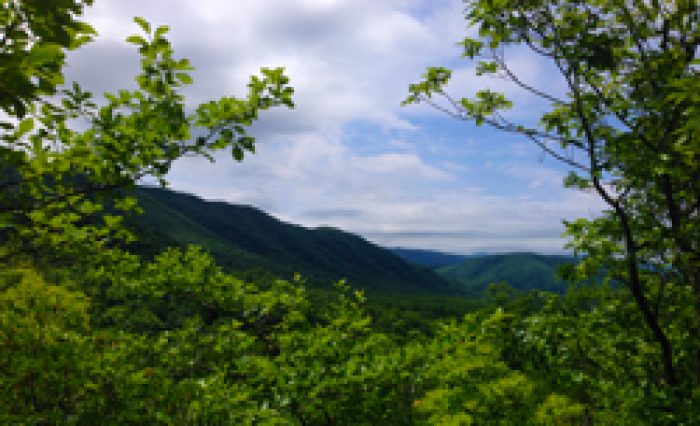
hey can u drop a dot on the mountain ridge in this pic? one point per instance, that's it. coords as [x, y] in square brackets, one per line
[429, 258]
[523, 271]
[246, 238]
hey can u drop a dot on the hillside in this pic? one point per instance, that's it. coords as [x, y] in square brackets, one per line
[429, 258]
[522, 271]
[244, 238]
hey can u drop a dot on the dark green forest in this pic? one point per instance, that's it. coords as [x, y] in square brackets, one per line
[430, 258]
[121, 304]
[523, 271]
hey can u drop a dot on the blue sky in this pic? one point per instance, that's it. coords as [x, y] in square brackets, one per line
[349, 155]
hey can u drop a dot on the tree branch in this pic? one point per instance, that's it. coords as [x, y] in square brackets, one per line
[514, 78]
[532, 134]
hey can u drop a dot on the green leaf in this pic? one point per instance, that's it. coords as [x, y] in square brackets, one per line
[136, 39]
[184, 77]
[237, 153]
[486, 67]
[161, 31]
[25, 126]
[472, 47]
[145, 26]
[44, 53]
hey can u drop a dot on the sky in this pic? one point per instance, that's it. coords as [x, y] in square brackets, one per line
[349, 155]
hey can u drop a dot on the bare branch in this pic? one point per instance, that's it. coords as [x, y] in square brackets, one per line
[500, 60]
[535, 136]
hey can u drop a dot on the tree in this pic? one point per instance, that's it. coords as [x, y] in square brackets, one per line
[63, 191]
[628, 128]
[35, 35]
[46, 354]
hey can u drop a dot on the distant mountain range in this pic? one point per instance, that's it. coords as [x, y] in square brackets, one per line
[249, 241]
[473, 273]
[243, 238]
[429, 258]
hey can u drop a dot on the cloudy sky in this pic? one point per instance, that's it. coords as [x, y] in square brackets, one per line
[349, 155]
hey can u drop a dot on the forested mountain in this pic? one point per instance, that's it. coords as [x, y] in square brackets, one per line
[244, 238]
[522, 271]
[473, 273]
[430, 258]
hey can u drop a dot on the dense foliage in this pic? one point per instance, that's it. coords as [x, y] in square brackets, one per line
[93, 333]
[176, 340]
[430, 258]
[523, 271]
[627, 126]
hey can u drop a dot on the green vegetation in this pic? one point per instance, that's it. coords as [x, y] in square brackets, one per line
[97, 328]
[431, 259]
[522, 271]
[243, 238]
[473, 274]
[627, 126]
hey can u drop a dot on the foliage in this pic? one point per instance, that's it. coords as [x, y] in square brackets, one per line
[46, 353]
[177, 340]
[523, 271]
[55, 179]
[474, 386]
[627, 127]
[35, 35]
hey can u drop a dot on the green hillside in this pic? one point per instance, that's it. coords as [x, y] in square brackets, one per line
[430, 258]
[522, 271]
[243, 238]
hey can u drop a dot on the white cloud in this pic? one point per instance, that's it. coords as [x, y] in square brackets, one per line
[350, 62]
[340, 55]
[391, 164]
[393, 199]
[535, 177]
